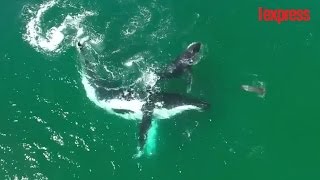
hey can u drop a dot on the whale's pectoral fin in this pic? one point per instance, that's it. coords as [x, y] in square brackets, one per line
[145, 125]
[171, 100]
[189, 80]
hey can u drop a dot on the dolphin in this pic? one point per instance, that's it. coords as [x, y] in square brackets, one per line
[260, 90]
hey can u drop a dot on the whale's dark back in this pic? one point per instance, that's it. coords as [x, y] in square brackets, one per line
[182, 63]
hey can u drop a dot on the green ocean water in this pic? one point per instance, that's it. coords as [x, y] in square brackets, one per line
[49, 128]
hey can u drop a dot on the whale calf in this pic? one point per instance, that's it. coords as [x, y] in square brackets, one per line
[183, 64]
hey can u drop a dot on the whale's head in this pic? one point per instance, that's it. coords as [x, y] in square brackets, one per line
[193, 49]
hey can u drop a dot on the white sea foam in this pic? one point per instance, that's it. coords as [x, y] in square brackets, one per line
[138, 22]
[149, 78]
[51, 40]
[134, 59]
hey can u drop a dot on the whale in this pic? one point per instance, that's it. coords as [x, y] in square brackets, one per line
[132, 103]
[183, 64]
[180, 66]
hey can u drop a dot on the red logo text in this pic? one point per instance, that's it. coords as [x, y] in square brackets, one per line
[280, 15]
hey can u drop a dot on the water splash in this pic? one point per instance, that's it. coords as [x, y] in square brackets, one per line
[51, 40]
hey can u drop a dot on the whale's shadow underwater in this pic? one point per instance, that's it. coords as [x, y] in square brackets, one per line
[126, 101]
